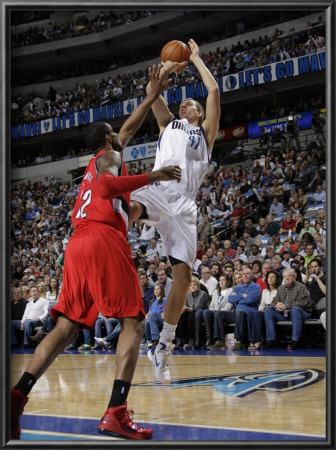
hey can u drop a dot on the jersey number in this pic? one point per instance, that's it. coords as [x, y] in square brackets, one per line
[86, 198]
[195, 141]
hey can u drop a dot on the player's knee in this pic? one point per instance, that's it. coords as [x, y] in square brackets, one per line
[136, 210]
[134, 324]
[67, 326]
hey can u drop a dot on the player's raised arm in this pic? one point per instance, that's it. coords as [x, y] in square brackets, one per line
[159, 82]
[159, 107]
[212, 111]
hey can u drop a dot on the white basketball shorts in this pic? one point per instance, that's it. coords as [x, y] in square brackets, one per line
[175, 217]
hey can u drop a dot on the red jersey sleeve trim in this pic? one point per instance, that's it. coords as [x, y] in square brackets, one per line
[110, 186]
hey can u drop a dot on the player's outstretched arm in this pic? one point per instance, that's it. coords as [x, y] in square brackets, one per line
[159, 107]
[212, 110]
[159, 82]
[111, 185]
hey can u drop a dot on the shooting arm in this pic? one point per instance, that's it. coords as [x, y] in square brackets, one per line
[211, 122]
[159, 82]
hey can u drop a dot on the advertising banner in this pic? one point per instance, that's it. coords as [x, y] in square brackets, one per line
[252, 77]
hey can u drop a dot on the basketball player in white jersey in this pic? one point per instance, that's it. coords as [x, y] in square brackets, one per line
[187, 142]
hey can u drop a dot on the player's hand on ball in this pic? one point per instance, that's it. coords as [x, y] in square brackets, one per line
[174, 67]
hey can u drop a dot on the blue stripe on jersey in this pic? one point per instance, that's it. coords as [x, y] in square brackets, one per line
[159, 140]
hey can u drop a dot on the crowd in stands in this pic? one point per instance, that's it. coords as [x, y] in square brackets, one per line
[82, 26]
[282, 45]
[234, 154]
[260, 228]
[253, 221]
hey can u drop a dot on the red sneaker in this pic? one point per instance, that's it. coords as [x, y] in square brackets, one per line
[118, 421]
[18, 402]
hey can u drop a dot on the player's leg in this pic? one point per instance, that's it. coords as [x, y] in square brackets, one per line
[117, 419]
[178, 293]
[135, 212]
[161, 353]
[45, 353]
[149, 204]
[52, 345]
[132, 330]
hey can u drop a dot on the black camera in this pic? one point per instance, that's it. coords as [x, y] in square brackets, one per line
[291, 125]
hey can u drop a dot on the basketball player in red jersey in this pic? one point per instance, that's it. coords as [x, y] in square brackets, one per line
[99, 273]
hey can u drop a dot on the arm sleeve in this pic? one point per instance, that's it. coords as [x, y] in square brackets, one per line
[45, 311]
[276, 300]
[110, 186]
[25, 314]
[263, 299]
[234, 298]
[214, 299]
[204, 301]
[252, 297]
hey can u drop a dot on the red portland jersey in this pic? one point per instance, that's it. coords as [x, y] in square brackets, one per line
[90, 207]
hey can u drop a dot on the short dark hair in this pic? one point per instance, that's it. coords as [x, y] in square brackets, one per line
[142, 273]
[95, 135]
[258, 263]
[318, 261]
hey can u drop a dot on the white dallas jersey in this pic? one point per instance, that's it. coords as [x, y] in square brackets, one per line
[184, 145]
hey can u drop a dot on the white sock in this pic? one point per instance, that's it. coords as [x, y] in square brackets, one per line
[168, 332]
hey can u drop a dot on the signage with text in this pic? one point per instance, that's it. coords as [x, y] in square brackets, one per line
[252, 77]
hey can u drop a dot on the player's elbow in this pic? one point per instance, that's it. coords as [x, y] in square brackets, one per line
[105, 186]
[214, 89]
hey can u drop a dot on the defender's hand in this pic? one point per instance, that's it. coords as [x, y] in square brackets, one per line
[165, 174]
[158, 79]
[170, 173]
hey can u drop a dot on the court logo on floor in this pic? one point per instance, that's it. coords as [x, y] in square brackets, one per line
[240, 385]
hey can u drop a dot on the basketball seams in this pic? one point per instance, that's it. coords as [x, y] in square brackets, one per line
[175, 51]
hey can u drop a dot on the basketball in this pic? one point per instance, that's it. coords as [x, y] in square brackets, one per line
[175, 51]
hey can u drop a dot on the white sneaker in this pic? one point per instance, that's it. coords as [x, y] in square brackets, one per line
[102, 342]
[160, 355]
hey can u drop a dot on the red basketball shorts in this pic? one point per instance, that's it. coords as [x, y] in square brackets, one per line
[99, 276]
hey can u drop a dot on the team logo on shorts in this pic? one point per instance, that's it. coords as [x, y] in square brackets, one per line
[240, 385]
[230, 82]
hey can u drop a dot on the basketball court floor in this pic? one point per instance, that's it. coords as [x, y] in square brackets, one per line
[223, 395]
